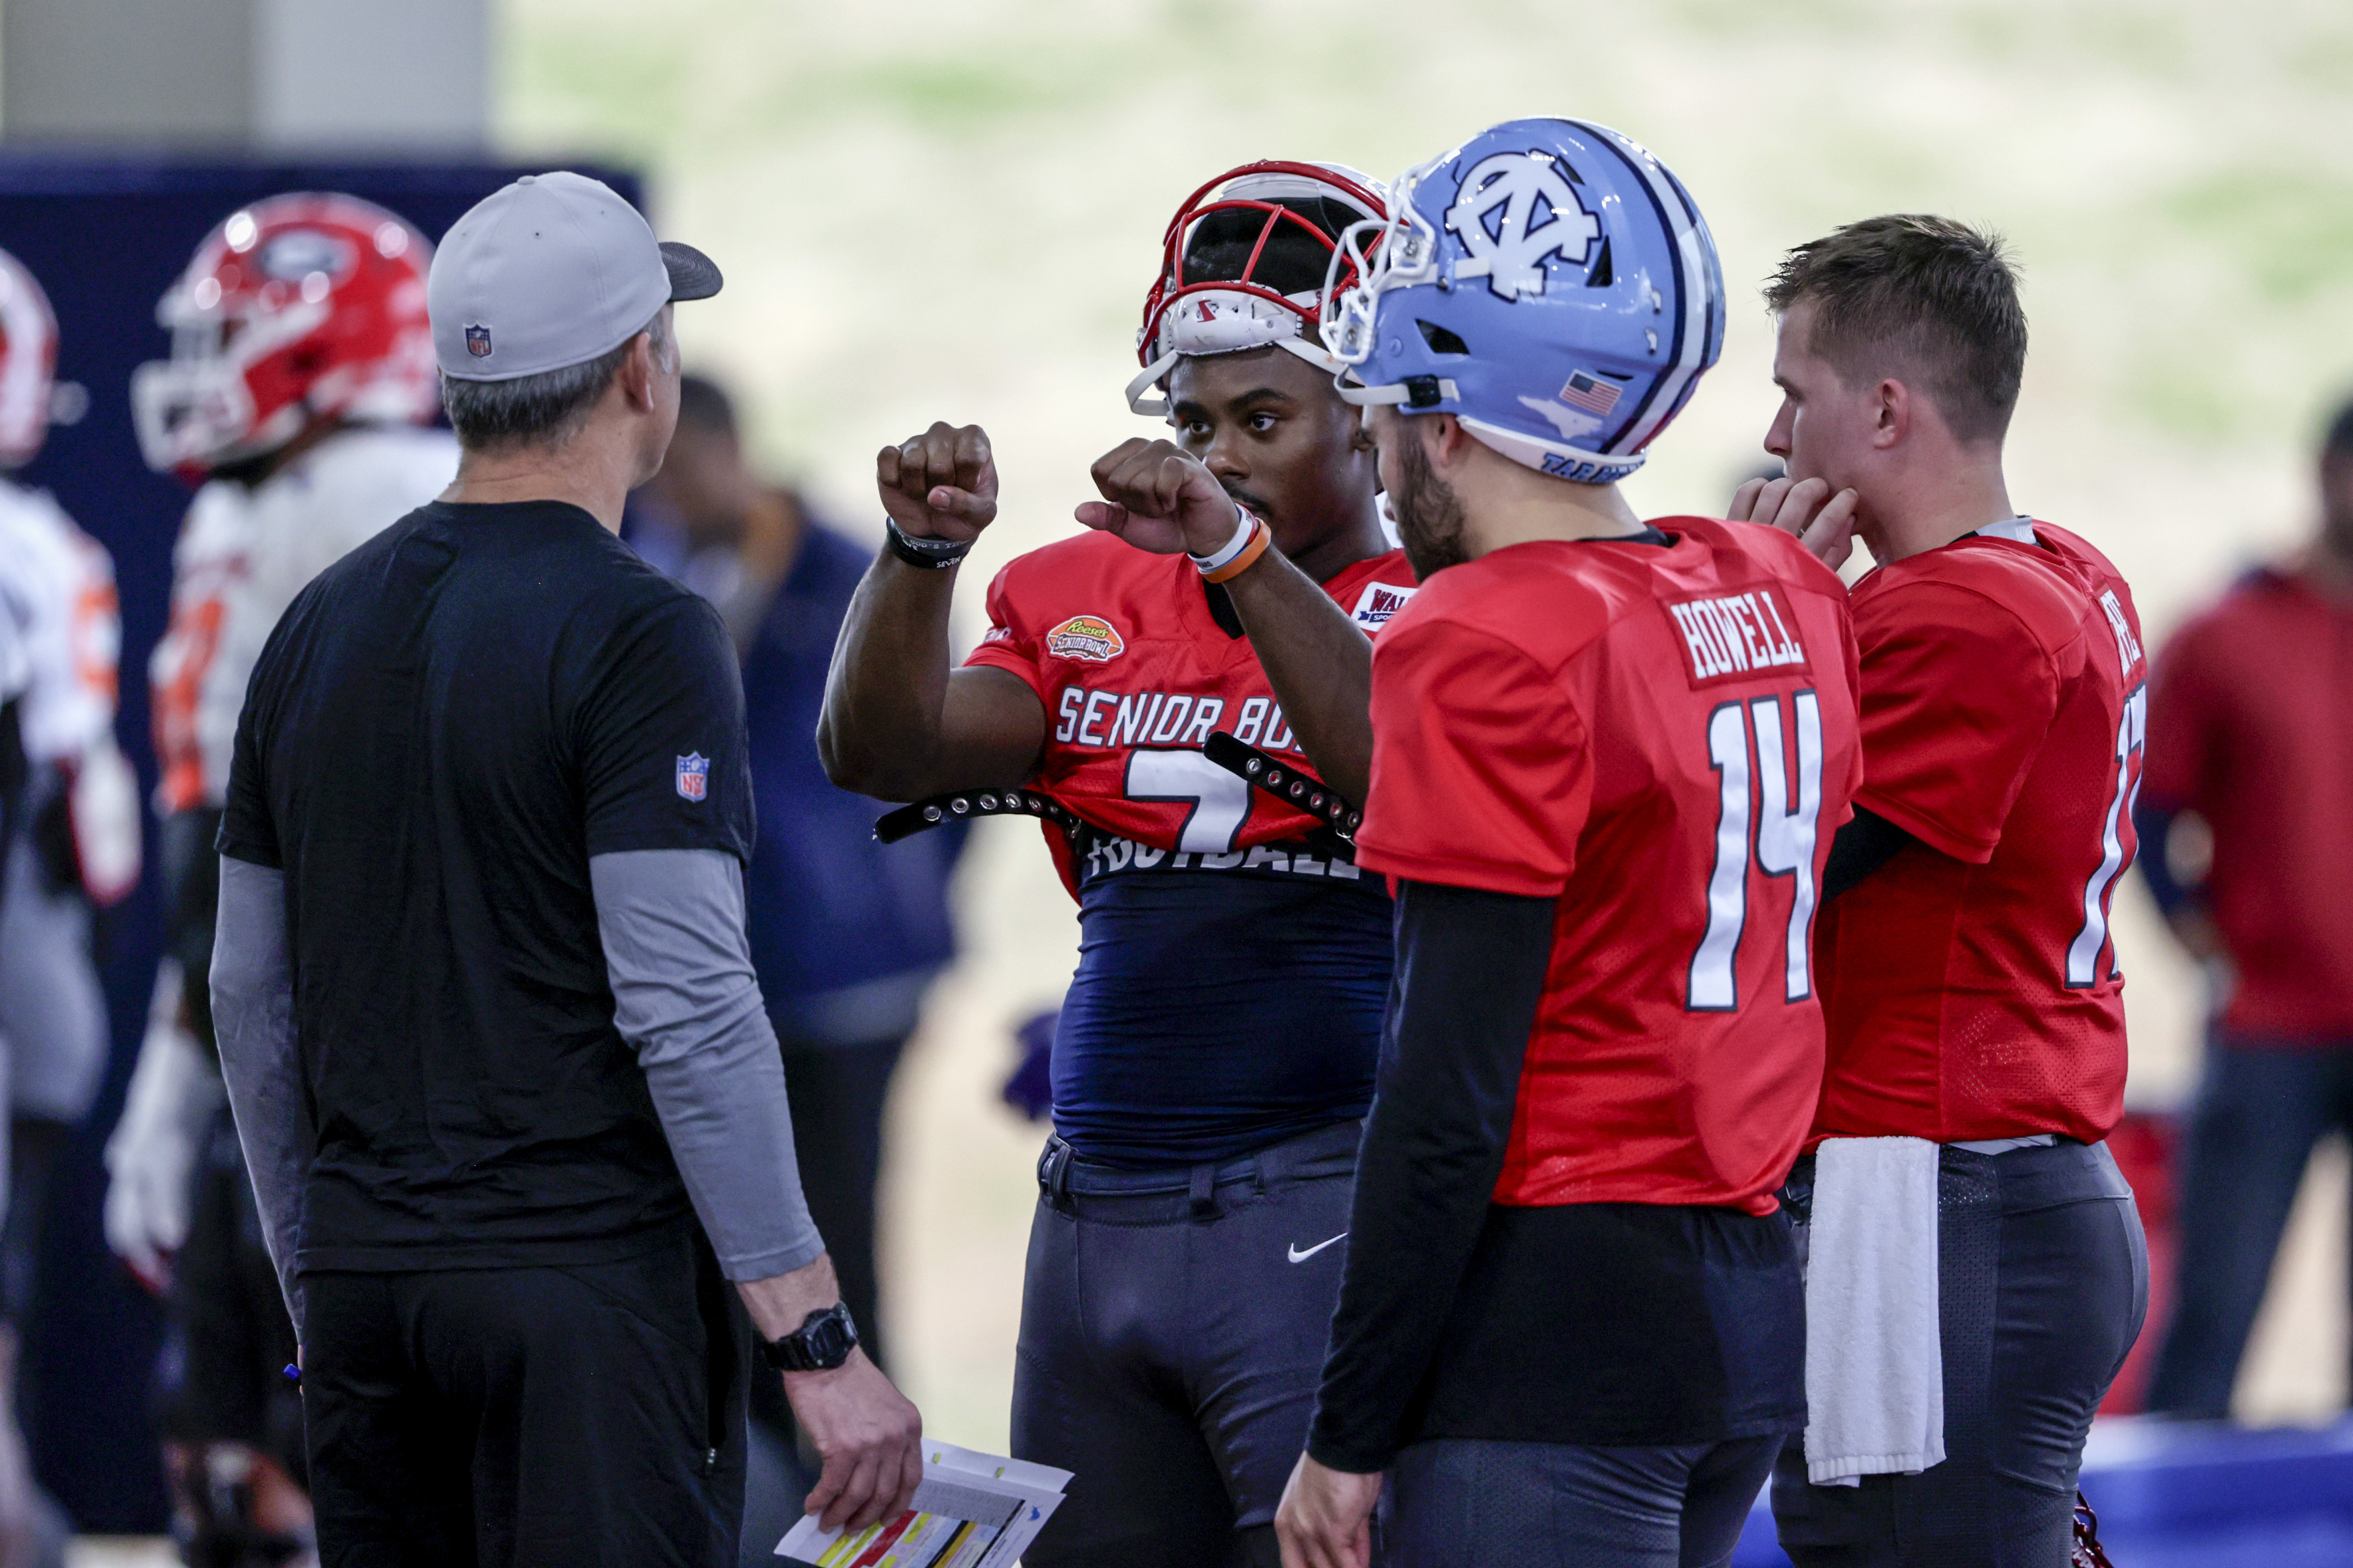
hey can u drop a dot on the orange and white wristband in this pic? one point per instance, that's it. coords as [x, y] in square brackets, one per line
[1250, 539]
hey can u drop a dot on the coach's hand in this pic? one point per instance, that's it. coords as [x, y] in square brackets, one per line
[1805, 509]
[941, 484]
[1326, 1516]
[868, 1436]
[1158, 499]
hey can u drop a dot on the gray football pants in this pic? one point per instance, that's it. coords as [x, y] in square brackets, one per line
[1173, 1324]
[2042, 1276]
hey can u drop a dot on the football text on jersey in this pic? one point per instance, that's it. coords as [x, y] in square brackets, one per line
[1107, 855]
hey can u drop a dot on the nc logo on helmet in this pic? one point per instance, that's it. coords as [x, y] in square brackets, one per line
[1540, 216]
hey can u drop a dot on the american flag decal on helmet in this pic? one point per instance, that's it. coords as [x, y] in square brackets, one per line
[1591, 392]
[693, 776]
[478, 341]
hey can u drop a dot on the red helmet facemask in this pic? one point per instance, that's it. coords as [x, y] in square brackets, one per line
[1229, 309]
[296, 308]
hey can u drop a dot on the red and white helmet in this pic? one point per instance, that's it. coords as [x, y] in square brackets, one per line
[29, 363]
[1245, 263]
[295, 308]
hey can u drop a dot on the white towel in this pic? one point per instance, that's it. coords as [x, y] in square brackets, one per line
[1874, 1361]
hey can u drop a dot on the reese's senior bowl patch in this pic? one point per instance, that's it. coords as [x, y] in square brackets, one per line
[1089, 637]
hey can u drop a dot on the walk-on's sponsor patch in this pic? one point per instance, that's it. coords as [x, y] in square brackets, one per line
[1378, 603]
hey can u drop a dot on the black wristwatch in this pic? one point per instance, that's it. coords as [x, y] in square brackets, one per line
[933, 554]
[822, 1342]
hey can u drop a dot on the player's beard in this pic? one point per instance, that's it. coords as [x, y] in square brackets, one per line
[1428, 514]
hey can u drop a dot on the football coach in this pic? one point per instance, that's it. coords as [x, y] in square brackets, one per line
[485, 1010]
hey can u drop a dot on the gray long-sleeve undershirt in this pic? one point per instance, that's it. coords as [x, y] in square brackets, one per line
[685, 999]
[253, 1018]
[671, 922]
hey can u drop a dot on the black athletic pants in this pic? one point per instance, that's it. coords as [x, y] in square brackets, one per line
[228, 1343]
[583, 1416]
[1173, 1323]
[2044, 1279]
[1456, 1502]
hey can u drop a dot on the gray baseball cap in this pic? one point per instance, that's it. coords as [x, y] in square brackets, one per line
[550, 271]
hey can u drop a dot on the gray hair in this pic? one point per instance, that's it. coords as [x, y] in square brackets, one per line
[546, 409]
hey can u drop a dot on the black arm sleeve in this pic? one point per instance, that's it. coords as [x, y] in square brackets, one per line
[1861, 847]
[1469, 975]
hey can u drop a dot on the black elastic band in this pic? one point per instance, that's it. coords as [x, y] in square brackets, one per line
[964, 804]
[931, 554]
[1301, 791]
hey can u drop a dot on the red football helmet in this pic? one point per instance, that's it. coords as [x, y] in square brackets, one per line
[294, 308]
[29, 362]
[1232, 259]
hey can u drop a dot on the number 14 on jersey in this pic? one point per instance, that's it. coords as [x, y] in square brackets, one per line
[1759, 809]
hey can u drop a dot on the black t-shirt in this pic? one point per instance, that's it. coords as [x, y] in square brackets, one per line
[442, 730]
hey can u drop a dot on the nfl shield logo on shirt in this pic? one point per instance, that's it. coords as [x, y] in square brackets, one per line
[693, 776]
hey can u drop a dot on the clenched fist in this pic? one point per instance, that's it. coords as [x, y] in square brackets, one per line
[941, 484]
[1158, 499]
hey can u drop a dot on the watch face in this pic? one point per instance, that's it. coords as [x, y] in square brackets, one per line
[820, 1344]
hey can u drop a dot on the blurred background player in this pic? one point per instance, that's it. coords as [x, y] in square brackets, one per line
[1977, 1271]
[1215, 1050]
[2251, 735]
[847, 933]
[301, 368]
[73, 845]
[1609, 756]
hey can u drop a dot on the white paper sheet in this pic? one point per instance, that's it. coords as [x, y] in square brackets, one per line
[970, 1511]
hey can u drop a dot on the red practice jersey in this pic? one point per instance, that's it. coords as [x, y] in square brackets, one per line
[1135, 673]
[1661, 736]
[2250, 726]
[1973, 992]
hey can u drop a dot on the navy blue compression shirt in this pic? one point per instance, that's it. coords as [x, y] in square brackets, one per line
[1217, 1012]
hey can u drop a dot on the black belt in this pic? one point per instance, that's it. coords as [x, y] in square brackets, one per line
[1302, 792]
[1299, 790]
[964, 804]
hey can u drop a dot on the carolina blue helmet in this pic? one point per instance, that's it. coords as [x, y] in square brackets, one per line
[1548, 282]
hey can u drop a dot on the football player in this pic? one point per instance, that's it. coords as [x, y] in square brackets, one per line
[74, 847]
[1968, 974]
[302, 371]
[1608, 759]
[1215, 1050]
[80, 849]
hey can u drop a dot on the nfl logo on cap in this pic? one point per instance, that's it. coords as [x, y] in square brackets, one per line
[693, 776]
[478, 341]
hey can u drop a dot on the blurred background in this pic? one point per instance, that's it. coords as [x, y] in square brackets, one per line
[932, 210]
